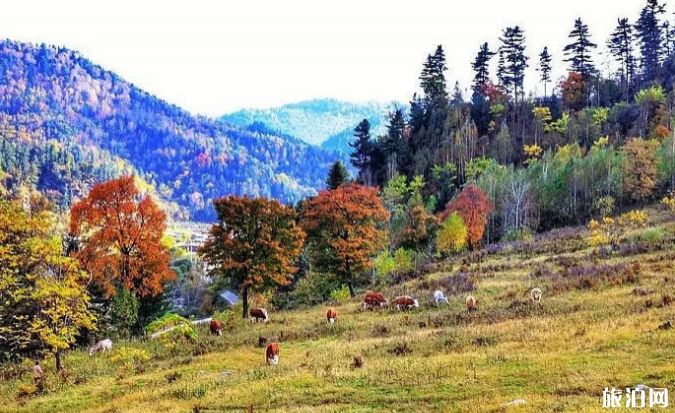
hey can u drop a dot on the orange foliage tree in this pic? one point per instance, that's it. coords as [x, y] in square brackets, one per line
[256, 244]
[121, 235]
[573, 91]
[640, 168]
[474, 207]
[345, 229]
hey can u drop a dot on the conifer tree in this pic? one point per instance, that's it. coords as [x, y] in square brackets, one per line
[433, 78]
[649, 34]
[579, 51]
[481, 66]
[362, 155]
[337, 175]
[512, 61]
[545, 68]
[620, 45]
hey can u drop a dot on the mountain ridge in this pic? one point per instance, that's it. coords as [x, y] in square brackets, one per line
[54, 94]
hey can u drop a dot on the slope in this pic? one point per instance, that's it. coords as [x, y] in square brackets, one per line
[50, 94]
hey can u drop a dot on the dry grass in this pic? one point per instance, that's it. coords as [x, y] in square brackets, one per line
[559, 356]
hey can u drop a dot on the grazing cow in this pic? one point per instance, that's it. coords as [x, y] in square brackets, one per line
[406, 303]
[374, 300]
[103, 345]
[439, 297]
[272, 354]
[471, 304]
[258, 314]
[331, 316]
[535, 295]
[216, 328]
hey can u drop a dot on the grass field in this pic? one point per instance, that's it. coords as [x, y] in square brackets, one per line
[597, 327]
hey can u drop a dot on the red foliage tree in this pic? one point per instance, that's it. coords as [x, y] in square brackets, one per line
[344, 228]
[573, 91]
[121, 235]
[474, 207]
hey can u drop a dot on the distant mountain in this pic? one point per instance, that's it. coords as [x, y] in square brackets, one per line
[66, 123]
[328, 123]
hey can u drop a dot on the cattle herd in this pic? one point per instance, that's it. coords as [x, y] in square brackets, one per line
[371, 301]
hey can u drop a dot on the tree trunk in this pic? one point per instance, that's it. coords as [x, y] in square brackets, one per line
[244, 299]
[351, 289]
[59, 360]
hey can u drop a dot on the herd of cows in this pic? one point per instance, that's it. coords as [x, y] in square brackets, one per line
[371, 301]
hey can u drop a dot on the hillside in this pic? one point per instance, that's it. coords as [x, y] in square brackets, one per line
[328, 123]
[52, 98]
[597, 326]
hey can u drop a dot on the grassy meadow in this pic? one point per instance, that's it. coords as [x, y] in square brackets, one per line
[597, 326]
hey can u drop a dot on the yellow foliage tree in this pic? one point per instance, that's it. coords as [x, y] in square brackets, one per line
[452, 235]
[612, 231]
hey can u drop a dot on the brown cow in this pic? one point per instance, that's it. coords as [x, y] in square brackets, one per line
[406, 303]
[216, 327]
[471, 304]
[331, 316]
[272, 354]
[258, 314]
[374, 299]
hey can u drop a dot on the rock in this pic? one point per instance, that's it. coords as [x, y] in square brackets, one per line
[226, 373]
[516, 402]
[641, 387]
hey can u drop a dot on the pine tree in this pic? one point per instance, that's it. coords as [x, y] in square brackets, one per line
[579, 52]
[667, 40]
[620, 45]
[481, 65]
[337, 176]
[545, 68]
[649, 34]
[393, 144]
[433, 78]
[361, 157]
[512, 60]
[457, 98]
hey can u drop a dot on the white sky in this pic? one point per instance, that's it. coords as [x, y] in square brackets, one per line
[212, 57]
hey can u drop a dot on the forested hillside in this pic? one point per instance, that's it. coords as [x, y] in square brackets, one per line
[67, 123]
[328, 123]
[591, 144]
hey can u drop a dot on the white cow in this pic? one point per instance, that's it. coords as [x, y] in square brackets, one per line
[103, 345]
[535, 295]
[440, 298]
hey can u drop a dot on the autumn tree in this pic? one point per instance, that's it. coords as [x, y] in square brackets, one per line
[121, 233]
[640, 168]
[473, 206]
[452, 235]
[43, 300]
[255, 244]
[345, 229]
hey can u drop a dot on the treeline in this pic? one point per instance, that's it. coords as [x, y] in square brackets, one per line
[547, 160]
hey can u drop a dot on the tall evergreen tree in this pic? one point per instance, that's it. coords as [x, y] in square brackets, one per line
[545, 68]
[481, 66]
[433, 78]
[512, 60]
[394, 146]
[620, 45]
[579, 52]
[649, 34]
[337, 176]
[361, 156]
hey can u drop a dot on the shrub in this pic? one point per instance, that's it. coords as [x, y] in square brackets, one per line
[610, 232]
[313, 288]
[340, 295]
[130, 359]
[180, 330]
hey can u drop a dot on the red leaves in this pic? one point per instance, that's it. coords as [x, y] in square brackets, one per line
[122, 238]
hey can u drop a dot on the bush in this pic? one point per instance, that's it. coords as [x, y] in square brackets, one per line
[313, 289]
[522, 234]
[340, 295]
[181, 331]
[130, 359]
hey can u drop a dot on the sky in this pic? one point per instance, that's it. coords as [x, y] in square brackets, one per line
[215, 57]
